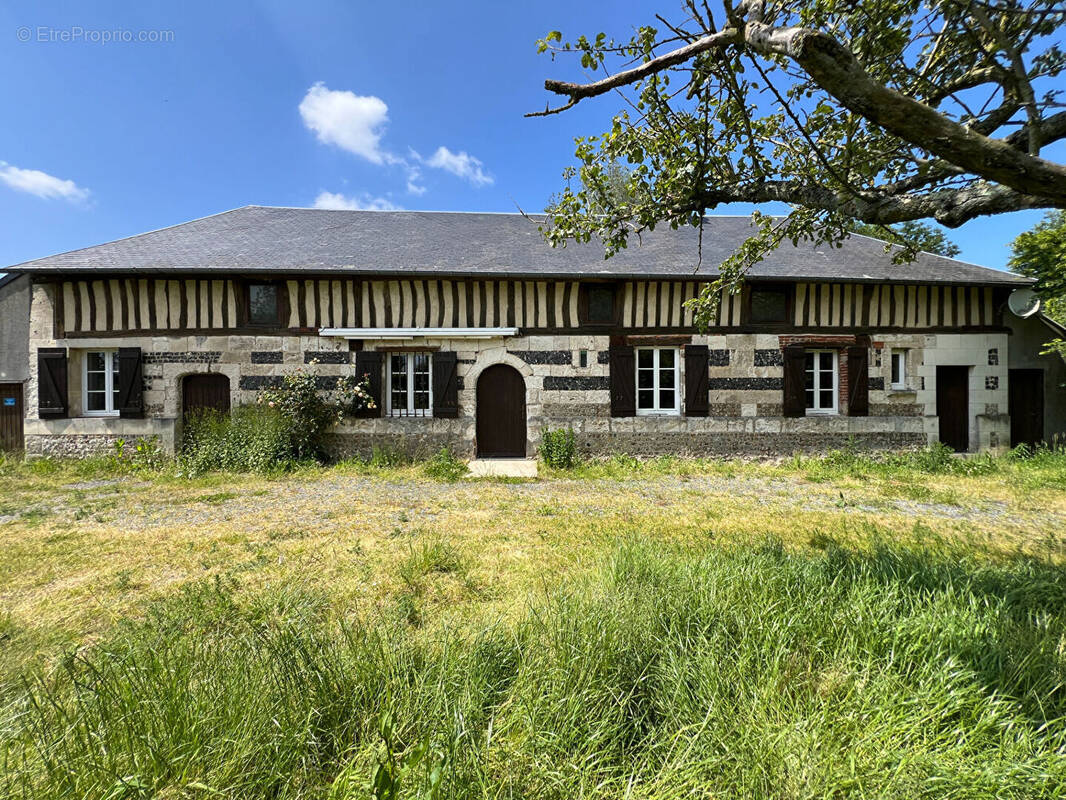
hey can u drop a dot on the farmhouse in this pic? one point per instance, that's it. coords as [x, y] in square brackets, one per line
[477, 335]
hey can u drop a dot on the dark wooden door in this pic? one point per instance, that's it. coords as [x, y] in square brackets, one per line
[501, 413]
[953, 406]
[11, 413]
[1026, 397]
[207, 391]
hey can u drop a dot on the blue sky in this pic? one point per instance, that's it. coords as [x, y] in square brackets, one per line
[415, 105]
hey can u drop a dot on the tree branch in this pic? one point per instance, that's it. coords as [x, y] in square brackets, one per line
[836, 70]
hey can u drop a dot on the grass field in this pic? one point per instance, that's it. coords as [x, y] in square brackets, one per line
[815, 628]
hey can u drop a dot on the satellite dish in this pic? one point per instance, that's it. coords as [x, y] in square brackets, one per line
[1023, 303]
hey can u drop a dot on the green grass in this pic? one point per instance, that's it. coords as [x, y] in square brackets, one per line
[849, 626]
[755, 672]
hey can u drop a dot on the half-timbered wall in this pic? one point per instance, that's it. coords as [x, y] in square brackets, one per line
[133, 304]
[160, 305]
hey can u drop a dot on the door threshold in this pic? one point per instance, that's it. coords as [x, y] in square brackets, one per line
[503, 467]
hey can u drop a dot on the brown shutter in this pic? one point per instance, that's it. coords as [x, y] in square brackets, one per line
[445, 385]
[368, 363]
[623, 382]
[696, 385]
[51, 382]
[794, 403]
[858, 382]
[130, 383]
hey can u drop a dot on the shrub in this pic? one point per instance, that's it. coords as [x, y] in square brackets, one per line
[444, 466]
[310, 413]
[283, 428]
[558, 448]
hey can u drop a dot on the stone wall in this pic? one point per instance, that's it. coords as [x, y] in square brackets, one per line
[14, 329]
[567, 381]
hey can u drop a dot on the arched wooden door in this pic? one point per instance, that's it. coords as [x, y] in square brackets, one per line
[501, 413]
[205, 391]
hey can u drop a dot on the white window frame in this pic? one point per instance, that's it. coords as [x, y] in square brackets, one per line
[657, 410]
[902, 355]
[817, 411]
[410, 410]
[110, 375]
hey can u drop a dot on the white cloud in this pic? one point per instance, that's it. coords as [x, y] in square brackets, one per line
[462, 164]
[41, 184]
[347, 120]
[361, 202]
[356, 123]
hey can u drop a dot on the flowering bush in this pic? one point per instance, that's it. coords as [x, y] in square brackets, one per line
[310, 412]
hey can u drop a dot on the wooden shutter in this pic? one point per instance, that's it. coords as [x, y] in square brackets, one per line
[130, 383]
[623, 382]
[858, 382]
[51, 382]
[794, 403]
[368, 363]
[696, 387]
[445, 385]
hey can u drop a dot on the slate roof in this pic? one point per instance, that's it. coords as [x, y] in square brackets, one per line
[259, 240]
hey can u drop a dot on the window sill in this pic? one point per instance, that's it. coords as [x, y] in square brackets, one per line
[647, 413]
[812, 413]
[100, 414]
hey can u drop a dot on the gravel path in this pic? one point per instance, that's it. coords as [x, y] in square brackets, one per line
[312, 502]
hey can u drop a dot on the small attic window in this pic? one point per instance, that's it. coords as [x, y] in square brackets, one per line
[597, 304]
[262, 304]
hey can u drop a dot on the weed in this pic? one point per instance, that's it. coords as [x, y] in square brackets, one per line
[444, 466]
[558, 448]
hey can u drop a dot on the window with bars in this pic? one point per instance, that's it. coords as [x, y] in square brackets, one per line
[410, 386]
[821, 381]
[658, 381]
[100, 383]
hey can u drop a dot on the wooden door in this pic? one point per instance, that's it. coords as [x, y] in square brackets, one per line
[207, 391]
[11, 414]
[953, 406]
[1026, 398]
[501, 413]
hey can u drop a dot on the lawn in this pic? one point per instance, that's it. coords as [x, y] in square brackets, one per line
[812, 628]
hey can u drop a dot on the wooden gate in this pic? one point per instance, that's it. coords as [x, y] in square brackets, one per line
[501, 413]
[953, 406]
[11, 414]
[205, 391]
[1025, 395]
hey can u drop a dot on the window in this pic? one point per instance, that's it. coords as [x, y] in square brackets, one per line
[657, 381]
[899, 369]
[821, 381]
[598, 304]
[262, 304]
[769, 304]
[100, 384]
[409, 385]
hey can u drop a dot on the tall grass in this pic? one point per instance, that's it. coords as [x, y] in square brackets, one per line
[752, 672]
[251, 438]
